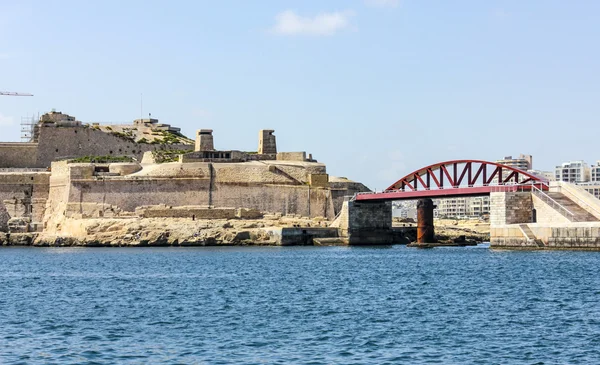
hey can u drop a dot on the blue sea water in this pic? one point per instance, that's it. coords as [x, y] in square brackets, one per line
[302, 305]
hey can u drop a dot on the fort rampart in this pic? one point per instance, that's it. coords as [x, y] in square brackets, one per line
[18, 155]
[204, 184]
[23, 194]
[56, 143]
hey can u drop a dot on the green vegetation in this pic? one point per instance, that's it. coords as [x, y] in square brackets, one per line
[143, 140]
[170, 137]
[163, 156]
[101, 159]
[128, 136]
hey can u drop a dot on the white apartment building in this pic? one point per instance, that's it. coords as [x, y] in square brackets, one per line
[573, 171]
[595, 172]
[472, 207]
[523, 162]
[592, 188]
[451, 207]
[478, 206]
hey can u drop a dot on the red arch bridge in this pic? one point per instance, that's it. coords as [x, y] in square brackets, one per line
[458, 178]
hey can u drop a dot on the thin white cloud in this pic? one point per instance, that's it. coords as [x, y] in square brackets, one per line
[5, 120]
[383, 3]
[323, 24]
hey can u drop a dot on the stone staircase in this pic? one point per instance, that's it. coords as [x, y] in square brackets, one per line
[579, 214]
[530, 235]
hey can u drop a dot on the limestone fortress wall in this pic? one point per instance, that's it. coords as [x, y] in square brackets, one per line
[77, 191]
[23, 194]
[59, 136]
[34, 197]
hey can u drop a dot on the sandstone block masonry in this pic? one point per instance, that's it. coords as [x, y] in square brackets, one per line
[56, 143]
[364, 223]
[19, 155]
[245, 185]
[206, 182]
[567, 236]
[59, 136]
[83, 190]
[513, 227]
[266, 142]
[510, 208]
[204, 140]
[23, 195]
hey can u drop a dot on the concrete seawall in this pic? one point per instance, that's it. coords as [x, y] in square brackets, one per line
[572, 236]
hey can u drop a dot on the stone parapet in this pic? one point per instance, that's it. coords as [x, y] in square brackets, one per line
[123, 169]
[291, 156]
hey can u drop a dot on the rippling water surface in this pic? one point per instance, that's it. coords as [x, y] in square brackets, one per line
[338, 305]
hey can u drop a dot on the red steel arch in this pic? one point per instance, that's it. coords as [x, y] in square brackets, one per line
[457, 178]
[471, 171]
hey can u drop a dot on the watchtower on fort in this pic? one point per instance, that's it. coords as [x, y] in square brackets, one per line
[204, 140]
[266, 142]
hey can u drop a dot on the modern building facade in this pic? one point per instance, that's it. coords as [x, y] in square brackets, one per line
[473, 207]
[523, 162]
[592, 188]
[573, 171]
[595, 172]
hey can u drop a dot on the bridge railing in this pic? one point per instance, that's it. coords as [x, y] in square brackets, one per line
[566, 189]
[554, 204]
[495, 188]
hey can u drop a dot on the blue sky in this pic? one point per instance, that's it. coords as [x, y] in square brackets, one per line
[373, 88]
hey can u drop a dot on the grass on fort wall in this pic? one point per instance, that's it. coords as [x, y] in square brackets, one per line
[163, 156]
[126, 136]
[167, 137]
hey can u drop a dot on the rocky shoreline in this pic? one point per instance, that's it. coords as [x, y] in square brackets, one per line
[146, 232]
[451, 230]
[106, 232]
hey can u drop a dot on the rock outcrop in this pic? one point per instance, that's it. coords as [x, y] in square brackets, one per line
[163, 232]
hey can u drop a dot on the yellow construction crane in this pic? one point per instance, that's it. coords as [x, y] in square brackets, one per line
[10, 93]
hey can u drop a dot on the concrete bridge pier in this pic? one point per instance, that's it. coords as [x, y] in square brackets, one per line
[367, 223]
[425, 227]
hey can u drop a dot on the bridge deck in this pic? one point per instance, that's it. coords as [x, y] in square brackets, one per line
[440, 193]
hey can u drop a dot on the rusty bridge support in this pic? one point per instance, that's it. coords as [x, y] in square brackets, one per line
[425, 230]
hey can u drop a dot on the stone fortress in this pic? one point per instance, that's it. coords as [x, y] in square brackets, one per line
[59, 136]
[73, 172]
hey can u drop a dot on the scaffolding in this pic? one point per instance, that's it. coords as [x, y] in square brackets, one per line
[27, 128]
